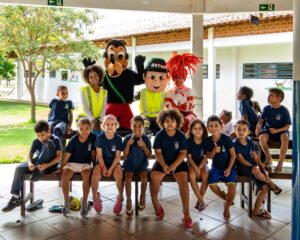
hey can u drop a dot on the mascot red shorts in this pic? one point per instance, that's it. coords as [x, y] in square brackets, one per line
[122, 112]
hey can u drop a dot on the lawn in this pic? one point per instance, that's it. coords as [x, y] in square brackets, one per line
[16, 134]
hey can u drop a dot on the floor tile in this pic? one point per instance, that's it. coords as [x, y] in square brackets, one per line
[284, 233]
[101, 230]
[33, 231]
[164, 230]
[265, 227]
[228, 231]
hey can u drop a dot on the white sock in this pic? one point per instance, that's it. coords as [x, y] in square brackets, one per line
[15, 196]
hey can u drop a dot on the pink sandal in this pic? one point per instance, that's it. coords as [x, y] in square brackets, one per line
[118, 206]
[161, 213]
[187, 222]
[98, 203]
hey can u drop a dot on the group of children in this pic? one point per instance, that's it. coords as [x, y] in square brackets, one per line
[99, 156]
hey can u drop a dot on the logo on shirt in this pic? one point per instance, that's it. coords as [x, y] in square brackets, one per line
[176, 145]
[89, 147]
[223, 149]
[201, 153]
[113, 148]
[278, 117]
[66, 106]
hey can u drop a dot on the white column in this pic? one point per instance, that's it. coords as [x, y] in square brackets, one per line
[212, 68]
[46, 84]
[19, 81]
[234, 75]
[133, 53]
[197, 49]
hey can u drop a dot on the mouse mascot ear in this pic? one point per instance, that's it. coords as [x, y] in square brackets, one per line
[88, 62]
[181, 97]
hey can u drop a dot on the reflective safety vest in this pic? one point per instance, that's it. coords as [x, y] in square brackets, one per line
[94, 102]
[151, 103]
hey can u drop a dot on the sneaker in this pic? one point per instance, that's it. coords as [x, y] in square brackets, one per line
[67, 205]
[187, 222]
[12, 203]
[35, 175]
[98, 203]
[84, 210]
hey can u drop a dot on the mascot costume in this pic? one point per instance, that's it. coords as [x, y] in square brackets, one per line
[181, 97]
[152, 98]
[119, 81]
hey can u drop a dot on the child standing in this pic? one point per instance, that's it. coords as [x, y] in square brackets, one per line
[249, 165]
[246, 109]
[274, 124]
[219, 148]
[79, 154]
[136, 150]
[60, 115]
[48, 152]
[170, 147]
[197, 160]
[108, 147]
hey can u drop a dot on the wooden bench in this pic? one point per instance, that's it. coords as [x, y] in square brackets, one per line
[244, 199]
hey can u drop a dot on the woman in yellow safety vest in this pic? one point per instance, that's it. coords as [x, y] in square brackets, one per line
[93, 96]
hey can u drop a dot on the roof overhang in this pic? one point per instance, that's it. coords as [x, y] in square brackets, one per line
[176, 6]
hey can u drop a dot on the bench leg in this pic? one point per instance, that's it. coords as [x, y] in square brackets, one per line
[269, 201]
[136, 197]
[23, 191]
[250, 199]
[32, 192]
[242, 194]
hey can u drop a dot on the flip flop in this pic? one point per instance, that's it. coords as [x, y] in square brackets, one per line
[277, 190]
[129, 212]
[201, 207]
[268, 164]
[278, 169]
[187, 222]
[141, 207]
[263, 214]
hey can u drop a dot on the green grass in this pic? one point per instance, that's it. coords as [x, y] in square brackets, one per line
[16, 133]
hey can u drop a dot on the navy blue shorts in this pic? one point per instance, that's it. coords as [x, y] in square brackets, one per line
[129, 167]
[216, 175]
[274, 137]
[183, 167]
[247, 172]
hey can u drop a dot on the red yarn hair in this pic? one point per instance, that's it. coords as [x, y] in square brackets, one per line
[180, 64]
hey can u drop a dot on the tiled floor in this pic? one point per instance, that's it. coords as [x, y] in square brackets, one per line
[208, 225]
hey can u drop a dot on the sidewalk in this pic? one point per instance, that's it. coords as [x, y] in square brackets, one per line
[208, 225]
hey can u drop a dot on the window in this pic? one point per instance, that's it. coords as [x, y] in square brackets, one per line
[268, 71]
[64, 75]
[52, 74]
[205, 71]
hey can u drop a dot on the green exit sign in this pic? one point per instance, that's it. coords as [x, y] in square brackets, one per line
[55, 2]
[266, 7]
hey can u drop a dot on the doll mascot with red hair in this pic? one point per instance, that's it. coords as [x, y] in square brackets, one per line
[181, 97]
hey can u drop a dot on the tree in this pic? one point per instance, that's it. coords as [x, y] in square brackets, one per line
[46, 37]
[7, 69]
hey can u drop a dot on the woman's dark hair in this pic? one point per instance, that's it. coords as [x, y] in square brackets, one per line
[93, 68]
[192, 125]
[248, 92]
[172, 114]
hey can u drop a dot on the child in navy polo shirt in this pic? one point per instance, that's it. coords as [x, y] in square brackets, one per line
[44, 155]
[79, 155]
[246, 109]
[219, 148]
[274, 123]
[170, 147]
[136, 150]
[60, 116]
[249, 164]
[197, 160]
[108, 147]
